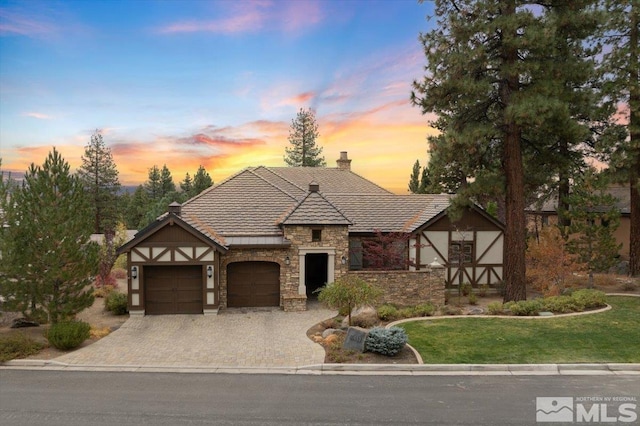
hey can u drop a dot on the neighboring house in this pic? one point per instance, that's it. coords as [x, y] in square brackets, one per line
[272, 236]
[547, 214]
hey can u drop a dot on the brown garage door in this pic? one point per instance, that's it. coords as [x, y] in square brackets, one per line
[253, 284]
[173, 289]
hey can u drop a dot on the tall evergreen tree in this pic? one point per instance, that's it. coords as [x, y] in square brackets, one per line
[166, 182]
[187, 185]
[484, 82]
[201, 181]
[99, 176]
[621, 68]
[48, 261]
[302, 136]
[153, 185]
[594, 218]
[414, 180]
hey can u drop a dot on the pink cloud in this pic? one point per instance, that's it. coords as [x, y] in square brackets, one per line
[252, 16]
[38, 115]
[15, 23]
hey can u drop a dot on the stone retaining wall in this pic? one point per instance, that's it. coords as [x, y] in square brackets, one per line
[407, 288]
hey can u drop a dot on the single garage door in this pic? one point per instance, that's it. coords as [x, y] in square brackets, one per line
[173, 289]
[253, 284]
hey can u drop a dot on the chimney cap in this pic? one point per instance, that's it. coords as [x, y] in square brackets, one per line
[314, 186]
[344, 162]
[175, 208]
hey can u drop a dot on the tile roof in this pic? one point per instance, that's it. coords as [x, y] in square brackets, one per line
[250, 206]
[389, 212]
[314, 209]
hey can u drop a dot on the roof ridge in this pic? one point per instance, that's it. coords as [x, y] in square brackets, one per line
[296, 206]
[269, 183]
[270, 169]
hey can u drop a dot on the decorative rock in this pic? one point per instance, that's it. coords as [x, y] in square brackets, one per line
[22, 323]
[331, 338]
[317, 339]
[355, 339]
[364, 316]
[545, 314]
[476, 311]
[328, 332]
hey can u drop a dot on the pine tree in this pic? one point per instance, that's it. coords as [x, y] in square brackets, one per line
[201, 181]
[166, 182]
[99, 176]
[414, 180]
[302, 136]
[486, 84]
[187, 185]
[594, 218]
[153, 185]
[48, 259]
[425, 181]
[621, 68]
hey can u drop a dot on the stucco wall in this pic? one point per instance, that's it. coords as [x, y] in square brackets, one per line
[407, 288]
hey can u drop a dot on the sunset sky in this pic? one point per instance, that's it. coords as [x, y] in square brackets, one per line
[216, 83]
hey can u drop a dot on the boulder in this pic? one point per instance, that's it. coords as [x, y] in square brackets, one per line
[364, 316]
[23, 322]
[328, 332]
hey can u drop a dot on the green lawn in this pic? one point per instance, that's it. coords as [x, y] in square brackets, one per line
[611, 336]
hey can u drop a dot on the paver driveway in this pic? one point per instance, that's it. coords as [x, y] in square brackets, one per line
[234, 338]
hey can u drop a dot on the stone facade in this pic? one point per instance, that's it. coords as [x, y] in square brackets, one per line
[277, 255]
[334, 241]
[407, 288]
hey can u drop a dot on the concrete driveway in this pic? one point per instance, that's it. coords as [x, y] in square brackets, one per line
[234, 338]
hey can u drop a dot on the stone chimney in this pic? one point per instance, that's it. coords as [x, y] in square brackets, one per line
[344, 162]
[175, 208]
[314, 187]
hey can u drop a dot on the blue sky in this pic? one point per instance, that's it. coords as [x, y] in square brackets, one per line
[216, 83]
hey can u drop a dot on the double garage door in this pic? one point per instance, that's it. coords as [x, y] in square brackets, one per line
[253, 284]
[173, 289]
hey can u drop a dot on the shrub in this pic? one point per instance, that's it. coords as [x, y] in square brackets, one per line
[526, 307]
[116, 302]
[121, 263]
[465, 289]
[629, 286]
[473, 299]
[103, 291]
[424, 310]
[406, 313]
[348, 292]
[119, 273]
[386, 341]
[18, 345]
[483, 290]
[495, 308]
[561, 304]
[388, 313]
[103, 281]
[590, 298]
[68, 334]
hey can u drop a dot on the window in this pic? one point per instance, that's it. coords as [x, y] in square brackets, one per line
[355, 255]
[461, 248]
[316, 235]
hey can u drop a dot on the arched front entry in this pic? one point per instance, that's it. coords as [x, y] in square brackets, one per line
[253, 284]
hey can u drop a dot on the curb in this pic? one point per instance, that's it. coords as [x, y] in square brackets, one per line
[351, 369]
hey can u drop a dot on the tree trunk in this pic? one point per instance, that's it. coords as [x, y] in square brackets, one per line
[634, 144]
[563, 190]
[514, 238]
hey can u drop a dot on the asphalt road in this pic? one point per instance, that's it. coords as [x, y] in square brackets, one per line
[50, 398]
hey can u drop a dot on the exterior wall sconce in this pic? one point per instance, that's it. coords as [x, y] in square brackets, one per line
[134, 272]
[343, 260]
[209, 271]
[287, 261]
